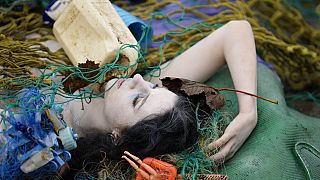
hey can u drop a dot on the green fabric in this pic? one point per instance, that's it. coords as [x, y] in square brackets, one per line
[269, 152]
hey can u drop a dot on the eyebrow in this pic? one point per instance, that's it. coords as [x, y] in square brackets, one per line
[144, 100]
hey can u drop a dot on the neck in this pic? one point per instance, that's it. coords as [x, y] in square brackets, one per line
[84, 117]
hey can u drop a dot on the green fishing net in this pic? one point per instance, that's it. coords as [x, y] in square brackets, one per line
[282, 35]
[284, 145]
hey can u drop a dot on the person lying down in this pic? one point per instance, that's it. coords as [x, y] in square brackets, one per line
[146, 119]
[143, 117]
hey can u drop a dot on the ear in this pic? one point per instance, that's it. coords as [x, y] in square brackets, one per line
[115, 136]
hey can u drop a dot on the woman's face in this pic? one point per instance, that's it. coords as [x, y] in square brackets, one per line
[132, 100]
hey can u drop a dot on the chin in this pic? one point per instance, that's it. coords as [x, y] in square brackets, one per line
[110, 83]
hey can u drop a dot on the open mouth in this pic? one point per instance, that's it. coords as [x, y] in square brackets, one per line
[120, 82]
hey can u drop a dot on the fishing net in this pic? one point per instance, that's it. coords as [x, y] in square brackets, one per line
[283, 38]
[284, 143]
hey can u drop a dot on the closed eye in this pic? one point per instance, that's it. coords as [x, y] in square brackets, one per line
[155, 86]
[135, 100]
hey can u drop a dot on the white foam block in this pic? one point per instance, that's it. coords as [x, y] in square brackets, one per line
[92, 30]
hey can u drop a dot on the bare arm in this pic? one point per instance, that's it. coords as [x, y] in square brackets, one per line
[232, 44]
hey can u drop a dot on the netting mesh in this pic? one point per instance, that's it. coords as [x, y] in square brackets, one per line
[307, 154]
[269, 152]
[283, 38]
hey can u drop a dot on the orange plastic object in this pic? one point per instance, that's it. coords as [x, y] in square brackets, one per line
[162, 168]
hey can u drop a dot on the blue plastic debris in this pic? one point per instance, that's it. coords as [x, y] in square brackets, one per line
[32, 145]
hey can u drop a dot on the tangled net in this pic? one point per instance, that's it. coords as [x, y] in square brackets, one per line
[283, 39]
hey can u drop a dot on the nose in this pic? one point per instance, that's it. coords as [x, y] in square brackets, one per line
[137, 81]
[137, 77]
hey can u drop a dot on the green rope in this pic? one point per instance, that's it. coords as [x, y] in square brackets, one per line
[303, 145]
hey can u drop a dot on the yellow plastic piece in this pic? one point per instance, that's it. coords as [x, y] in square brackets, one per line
[92, 30]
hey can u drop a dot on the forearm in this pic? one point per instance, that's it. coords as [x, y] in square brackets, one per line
[232, 43]
[240, 54]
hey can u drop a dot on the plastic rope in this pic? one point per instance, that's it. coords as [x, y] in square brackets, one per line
[310, 148]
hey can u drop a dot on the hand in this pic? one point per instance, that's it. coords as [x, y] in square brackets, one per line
[234, 136]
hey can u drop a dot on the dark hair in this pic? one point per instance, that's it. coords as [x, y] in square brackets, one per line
[160, 134]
